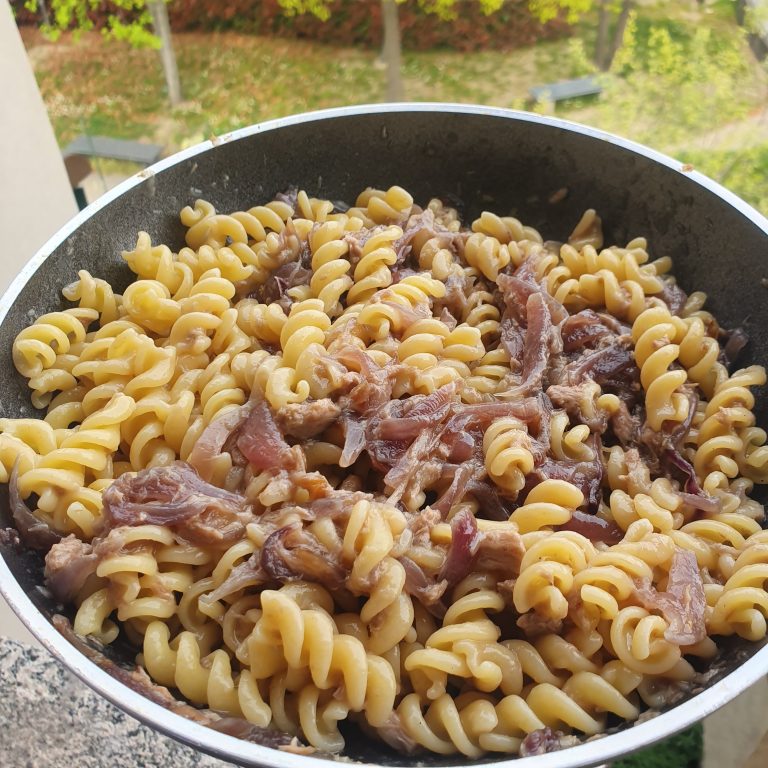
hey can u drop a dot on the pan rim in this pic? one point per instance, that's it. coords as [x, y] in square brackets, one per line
[226, 747]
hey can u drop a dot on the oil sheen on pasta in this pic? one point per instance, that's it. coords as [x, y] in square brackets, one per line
[463, 486]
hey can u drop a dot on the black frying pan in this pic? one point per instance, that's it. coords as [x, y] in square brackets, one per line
[476, 158]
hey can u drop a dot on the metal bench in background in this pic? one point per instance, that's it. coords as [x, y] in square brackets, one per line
[566, 89]
[77, 155]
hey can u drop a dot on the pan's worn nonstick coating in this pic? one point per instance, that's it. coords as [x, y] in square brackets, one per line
[510, 163]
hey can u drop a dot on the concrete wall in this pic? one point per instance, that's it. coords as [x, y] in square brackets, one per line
[35, 196]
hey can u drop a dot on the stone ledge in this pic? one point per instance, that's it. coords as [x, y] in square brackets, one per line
[50, 719]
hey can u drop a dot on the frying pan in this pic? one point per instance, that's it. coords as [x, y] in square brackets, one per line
[476, 158]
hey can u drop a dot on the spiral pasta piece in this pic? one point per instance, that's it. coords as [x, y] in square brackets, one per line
[204, 680]
[547, 572]
[383, 207]
[372, 270]
[655, 353]
[486, 254]
[287, 637]
[569, 443]
[508, 457]
[368, 540]
[93, 293]
[330, 279]
[158, 263]
[36, 348]
[740, 606]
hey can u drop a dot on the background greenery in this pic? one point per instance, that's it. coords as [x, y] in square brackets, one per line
[685, 80]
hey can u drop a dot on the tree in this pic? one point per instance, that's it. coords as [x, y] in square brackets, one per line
[752, 15]
[605, 51]
[666, 90]
[149, 28]
[613, 16]
[391, 50]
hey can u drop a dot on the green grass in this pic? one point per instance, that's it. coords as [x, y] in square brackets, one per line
[684, 750]
[231, 80]
[743, 171]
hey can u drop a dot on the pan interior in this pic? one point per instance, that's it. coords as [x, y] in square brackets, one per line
[475, 161]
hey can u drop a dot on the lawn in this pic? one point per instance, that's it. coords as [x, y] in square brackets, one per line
[231, 80]
[684, 83]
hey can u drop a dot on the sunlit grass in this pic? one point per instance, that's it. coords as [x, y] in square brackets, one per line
[231, 80]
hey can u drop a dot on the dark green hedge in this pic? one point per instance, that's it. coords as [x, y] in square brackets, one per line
[356, 22]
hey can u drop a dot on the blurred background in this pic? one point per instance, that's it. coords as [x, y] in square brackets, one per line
[687, 77]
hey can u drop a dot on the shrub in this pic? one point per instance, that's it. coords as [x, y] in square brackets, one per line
[355, 22]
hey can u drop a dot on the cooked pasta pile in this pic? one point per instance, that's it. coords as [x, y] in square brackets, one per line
[475, 491]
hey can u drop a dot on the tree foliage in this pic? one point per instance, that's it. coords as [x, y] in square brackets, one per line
[141, 23]
[663, 89]
[445, 9]
[131, 20]
[546, 10]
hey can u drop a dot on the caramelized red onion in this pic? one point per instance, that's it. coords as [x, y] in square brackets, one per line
[541, 741]
[465, 540]
[426, 590]
[68, 565]
[584, 329]
[209, 445]
[292, 553]
[262, 442]
[593, 527]
[682, 604]
[177, 497]
[34, 533]
[693, 493]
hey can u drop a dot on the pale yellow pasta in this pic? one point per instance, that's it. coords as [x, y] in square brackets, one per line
[330, 279]
[508, 458]
[383, 207]
[367, 543]
[487, 374]
[569, 442]
[149, 304]
[264, 322]
[419, 500]
[94, 293]
[547, 572]
[625, 263]
[486, 254]
[224, 259]
[482, 313]
[212, 683]
[436, 258]
[655, 351]
[466, 646]
[308, 639]
[372, 270]
[624, 299]
[549, 503]
[157, 262]
[36, 349]
[660, 508]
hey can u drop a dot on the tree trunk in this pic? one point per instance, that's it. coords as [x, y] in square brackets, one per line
[162, 29]
[740, 9]
[391, 49]
[618, 32]
[45, 17]
[601, 44]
